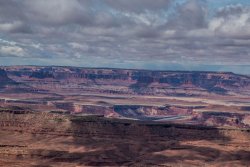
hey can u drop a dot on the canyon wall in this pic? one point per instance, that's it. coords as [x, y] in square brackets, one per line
[137, 81]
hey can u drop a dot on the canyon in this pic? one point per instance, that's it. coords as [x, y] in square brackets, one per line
[206, 98]
[73, 116]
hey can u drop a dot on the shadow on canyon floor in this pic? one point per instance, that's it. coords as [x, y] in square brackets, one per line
[128, 144]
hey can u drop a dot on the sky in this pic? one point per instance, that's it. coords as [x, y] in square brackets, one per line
[202, 35]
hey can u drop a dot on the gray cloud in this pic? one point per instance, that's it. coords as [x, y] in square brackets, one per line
[120, 33]
[190, 15]
[138, 6]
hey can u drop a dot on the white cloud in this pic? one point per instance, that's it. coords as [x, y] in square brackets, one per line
[82, 47]
[12, 51]
[10, 26]
[7, 42]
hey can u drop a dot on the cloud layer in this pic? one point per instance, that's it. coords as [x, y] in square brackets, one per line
[132, 33]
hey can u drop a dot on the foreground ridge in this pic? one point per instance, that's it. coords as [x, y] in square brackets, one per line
[34, 139]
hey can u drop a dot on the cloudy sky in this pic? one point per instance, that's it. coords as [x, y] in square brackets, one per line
[149, 34]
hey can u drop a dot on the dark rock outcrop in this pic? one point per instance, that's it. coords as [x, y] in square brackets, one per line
[42, 75]
[4, 79]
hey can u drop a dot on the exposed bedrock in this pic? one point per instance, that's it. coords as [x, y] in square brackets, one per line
[136, 111]
[129, 111]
